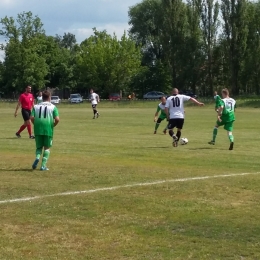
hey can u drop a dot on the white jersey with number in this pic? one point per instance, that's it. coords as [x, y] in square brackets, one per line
[175, 104]
[94, 98]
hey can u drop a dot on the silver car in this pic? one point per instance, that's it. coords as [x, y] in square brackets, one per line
[75, 98]
[55, 100]
[154, 95]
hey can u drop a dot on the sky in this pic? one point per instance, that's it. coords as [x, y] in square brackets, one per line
[74, 16]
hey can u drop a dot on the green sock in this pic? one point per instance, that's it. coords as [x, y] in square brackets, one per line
[38, 153]
[156, 126]
[215, 132]
[231, 138]
[45, 157]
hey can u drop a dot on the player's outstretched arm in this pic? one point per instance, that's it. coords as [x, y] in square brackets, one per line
[17, 107]
[196, 102]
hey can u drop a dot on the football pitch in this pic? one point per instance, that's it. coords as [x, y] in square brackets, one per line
[117, 191]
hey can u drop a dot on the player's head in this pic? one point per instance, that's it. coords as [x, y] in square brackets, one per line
[175, 91]
[28, 89]
[46, 96]
[163, 99]
[40, 94]
[225, 93]
[91, 91]
[215, 93]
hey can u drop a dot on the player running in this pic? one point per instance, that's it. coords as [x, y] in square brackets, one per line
[26, 101]
[226, 117]
[45, 117]
[160, 108]
[94, 99]
[174, 110]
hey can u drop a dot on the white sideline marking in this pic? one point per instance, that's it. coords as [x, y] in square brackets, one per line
[124, 186]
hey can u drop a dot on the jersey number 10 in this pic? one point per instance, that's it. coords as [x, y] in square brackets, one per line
[176, 102]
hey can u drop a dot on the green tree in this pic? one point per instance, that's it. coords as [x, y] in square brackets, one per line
[235, 31]
[24, 63]
[108, 64]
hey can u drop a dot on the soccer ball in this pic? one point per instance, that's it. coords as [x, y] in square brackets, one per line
[184, 141]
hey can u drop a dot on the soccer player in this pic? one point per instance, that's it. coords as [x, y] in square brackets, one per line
[45, 117]
[26, 101]
[94, 98]
[39, 98]
[226, 117]
[217, 100]
[160, 108]
[174, 110]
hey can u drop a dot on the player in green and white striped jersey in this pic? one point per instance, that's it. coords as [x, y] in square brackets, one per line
[45, 117]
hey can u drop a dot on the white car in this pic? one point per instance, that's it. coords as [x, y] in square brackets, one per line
[55, 100]
[75, 98]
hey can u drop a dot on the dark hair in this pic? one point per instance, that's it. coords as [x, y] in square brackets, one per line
[46, 95]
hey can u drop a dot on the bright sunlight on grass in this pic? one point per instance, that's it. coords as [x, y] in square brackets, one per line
[214, 218]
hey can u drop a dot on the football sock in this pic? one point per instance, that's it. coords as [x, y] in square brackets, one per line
[156, 126]
[45, 157]
[178, 135]
[95, 111]
[215, 132]
[171, 133]
[21, 129]
[231, 137]
[38, 153]
[29, 129]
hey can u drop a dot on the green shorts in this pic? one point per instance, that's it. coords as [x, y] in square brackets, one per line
[227, 125]
[162, 117]
[43, 141]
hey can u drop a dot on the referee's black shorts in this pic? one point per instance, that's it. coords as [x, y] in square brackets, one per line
[26, 113]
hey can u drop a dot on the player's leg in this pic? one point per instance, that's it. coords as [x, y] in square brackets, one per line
[172, 124]
[97, 112]
[29, 125]
[157, 124]
[39, 145]
[229, 127]
[94, 111]
[215, 132]
[179, 125]
[25, 118]
[46, 152]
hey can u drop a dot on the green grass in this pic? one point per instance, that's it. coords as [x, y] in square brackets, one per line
[216, 218]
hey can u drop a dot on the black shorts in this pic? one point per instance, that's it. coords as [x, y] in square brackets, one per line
[26, 113]
[176, 122]
[94, 106]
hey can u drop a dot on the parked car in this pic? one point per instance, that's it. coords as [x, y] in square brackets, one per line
[114, 97]
[188, 93]
[154, 95]
[75, 98]
[55, 100]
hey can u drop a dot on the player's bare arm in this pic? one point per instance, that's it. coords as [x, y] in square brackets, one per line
[17, 107]
[32, 119]
[56, 120]
[155, 116]
[196, 102]
[220, 109]
[167, 113]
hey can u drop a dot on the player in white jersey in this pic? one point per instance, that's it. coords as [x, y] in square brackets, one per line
[39, 98]
[94, 99]
[174, 109]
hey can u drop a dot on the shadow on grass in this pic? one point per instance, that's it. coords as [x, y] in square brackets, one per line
[157, 147]
[16, 170]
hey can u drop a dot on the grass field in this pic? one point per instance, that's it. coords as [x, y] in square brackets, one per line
[213, 218]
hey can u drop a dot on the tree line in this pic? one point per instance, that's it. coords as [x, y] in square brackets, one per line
[196, 45]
